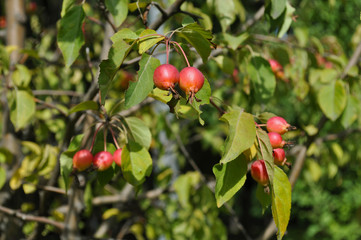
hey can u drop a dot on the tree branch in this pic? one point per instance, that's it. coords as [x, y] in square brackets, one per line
[28, 217]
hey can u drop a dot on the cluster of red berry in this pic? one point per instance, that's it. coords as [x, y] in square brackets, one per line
[84, 159]
[276, 127]
[190, 79]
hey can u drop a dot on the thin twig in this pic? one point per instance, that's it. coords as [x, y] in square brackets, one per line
[56, 93]
[50, 105]
[29, 217]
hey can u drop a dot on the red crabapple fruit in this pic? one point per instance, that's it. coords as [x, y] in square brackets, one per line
[259, 172]
[279, 156]
[278, 125]
[276, 140]
[103, 160]
[82, 160]
[117, 155]
[191, 80]
[165, 76]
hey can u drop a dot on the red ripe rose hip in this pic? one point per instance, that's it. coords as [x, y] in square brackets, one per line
[103, 160]
[165, 76]
[82, 160]
[279, 156]
[191, 80]
[276, 140]
[259, 172]
[117, 155]
[278, 125]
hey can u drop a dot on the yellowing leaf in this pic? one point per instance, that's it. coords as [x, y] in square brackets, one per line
[281, 201]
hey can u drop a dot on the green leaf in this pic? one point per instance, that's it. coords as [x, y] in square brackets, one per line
[225, 63]
[281, 201]
[70, 35]
[119, 10]
[204, 94]
[124, 33]
[66, 166]
[161, 95]
[87, 105]
[66, 159]
[22, 109]
[266, 152]
[264, 198]
[67, 4]
[351, 112]
[199, 29]
[137, 5]
[235, 41]
[104, 177]
[147, 42]
[284, 21]
[136, 163]
[332, 99]
[225, 12]
[140, 89]
[242, 133]
[139, 131]
[263, 117]
[230, 177]
[110, 66]
[262, 78]
[198, 39]
[277, 7]
[183, 186]
[21, 76]
[2, 177]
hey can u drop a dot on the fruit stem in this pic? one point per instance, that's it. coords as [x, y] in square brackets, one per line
[167, 49]
[114, 139]
[220, 110]
[95, 134]
[185, 57]
[105, 139]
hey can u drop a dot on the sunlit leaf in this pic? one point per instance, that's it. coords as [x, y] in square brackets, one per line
[277, 7]
[148, 40]
[22, 109]
[332, 99]
[241, 136]
[281, 201]
[70, 35]
[87, 105]
[119, 10]
[140, 89]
